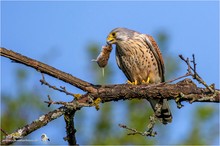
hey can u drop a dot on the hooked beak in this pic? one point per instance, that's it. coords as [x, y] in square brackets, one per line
[110, 40]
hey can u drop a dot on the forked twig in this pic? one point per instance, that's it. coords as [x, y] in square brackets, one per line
[195, 74]
[185, 90]
[149, 132]
[3, 131]
[61, 89]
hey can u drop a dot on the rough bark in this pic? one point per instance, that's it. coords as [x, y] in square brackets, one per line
[185, 90]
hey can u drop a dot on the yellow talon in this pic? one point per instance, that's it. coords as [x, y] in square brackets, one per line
[146, 82]
[148, 79]
[133, 83]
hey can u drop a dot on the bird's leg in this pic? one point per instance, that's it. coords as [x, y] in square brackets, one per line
[147, 81]
[132, 83]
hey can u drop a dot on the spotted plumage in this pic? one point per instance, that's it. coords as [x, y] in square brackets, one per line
[140, 59]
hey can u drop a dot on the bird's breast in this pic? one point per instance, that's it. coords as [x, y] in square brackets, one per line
[137, 61]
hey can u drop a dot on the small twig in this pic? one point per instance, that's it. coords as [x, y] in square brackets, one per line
[194, 65]
[149, 132]
[69, 105]
[150, 126]
[42, 77]
[134, 131]
[195, 74]
[172, 80]
[109, 93]
[73, 105]
[189, 66]
[50, 101]
[3, 131]
[63, 89]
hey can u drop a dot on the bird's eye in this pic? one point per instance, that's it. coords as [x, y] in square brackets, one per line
[113, 34]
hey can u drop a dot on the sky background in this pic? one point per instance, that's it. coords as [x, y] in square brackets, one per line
[59, 33]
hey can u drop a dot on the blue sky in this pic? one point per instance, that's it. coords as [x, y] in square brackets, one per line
[58, 33]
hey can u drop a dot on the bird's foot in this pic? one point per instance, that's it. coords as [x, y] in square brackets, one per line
[132, 83]
[147, 81]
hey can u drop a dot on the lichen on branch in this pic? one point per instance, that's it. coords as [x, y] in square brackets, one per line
[184, 90]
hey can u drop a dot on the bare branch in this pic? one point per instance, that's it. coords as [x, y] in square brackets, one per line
[44, 68]
[195, 74]
[70, 129]
[73, 105]
[185, 90]
[124, 91]
[38, 123]
[3, 131]
[61, 89]
[149, 132]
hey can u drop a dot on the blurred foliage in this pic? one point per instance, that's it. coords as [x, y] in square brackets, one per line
[205, 126]
[15, 111]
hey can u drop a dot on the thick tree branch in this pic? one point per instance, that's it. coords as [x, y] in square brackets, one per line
[184, 90]
[70, 129]
[44, 68]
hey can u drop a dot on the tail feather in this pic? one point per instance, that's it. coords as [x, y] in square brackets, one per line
[162, 110]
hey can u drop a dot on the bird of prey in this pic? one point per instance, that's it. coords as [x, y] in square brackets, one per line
[140, 59]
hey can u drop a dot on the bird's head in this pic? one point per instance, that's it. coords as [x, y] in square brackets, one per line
[119, 34]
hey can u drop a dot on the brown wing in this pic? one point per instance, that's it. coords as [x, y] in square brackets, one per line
[156, 51]
[121, 63]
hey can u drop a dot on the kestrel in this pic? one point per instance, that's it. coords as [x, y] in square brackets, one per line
[140, 59]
